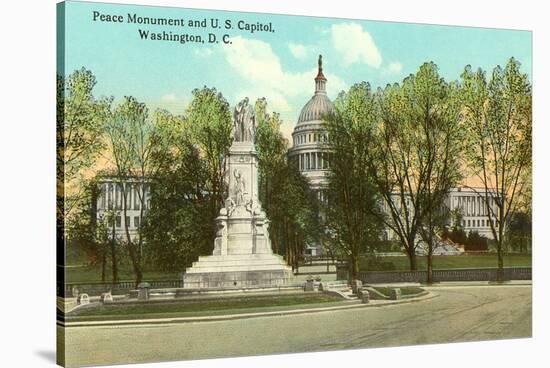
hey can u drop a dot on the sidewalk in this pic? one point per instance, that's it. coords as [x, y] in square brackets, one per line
[480, 283]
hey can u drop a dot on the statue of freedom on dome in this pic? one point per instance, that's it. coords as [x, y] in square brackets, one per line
[244, 122]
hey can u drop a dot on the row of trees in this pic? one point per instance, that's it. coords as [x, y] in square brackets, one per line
[403, 147]
[181, 160]
[395, 154]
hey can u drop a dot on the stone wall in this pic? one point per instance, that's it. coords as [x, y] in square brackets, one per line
[123, 287]
[470, 274]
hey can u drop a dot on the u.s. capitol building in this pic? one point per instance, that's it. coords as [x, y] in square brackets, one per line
[310, 152]
[309, 139]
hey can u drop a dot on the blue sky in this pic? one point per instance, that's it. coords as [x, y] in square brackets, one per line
[279, 66]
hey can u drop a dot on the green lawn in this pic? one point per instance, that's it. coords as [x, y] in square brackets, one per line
[401, 263]
[181, 309]
[125, 273]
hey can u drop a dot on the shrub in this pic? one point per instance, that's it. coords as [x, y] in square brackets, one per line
[476, 242]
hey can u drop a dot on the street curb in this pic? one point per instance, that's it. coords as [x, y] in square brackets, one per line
[477, 284]
[160, 321]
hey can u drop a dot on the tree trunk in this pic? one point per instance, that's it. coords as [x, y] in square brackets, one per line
[429, 277]
[354, 267]
[134, 253]
[500, 269]
[412, 259]
[103, 264]
[114, 265]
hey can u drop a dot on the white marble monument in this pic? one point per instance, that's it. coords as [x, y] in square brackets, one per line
[242, 255]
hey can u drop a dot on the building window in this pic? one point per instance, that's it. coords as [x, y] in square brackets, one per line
[477, 223]
[118, 221]
[136, 221]
[119, 196]
[313, 161]
[468, 223]
[136, 196]
[116, 197]
[110, 197]
[104, 189]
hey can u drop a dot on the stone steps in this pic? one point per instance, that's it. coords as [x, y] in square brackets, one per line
[233, 268]
[237, 257]
[240, 262]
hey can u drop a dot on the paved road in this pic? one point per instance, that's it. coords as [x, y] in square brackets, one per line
[456, 314]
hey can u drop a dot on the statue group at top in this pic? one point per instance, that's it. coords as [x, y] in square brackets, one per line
[244, 122]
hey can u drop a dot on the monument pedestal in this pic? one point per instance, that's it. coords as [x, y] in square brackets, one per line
[242, 255]
[238, 271]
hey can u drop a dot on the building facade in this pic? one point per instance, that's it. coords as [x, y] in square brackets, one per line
[468, 202]
[476, 217]
[110, 204]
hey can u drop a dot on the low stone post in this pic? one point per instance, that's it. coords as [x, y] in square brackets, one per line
[83, 299]
[395, 294]
[356, 285]
[143, 291]
[364, 295]
[309, 285]
[106, 297]
[75, 292]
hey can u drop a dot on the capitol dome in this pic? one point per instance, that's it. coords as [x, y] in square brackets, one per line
[309, 150]
[319, 104]
[316, 107]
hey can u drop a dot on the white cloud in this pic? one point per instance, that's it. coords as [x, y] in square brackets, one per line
[203, 52]
[355, 44]
[172, 102]
[262, 75]
[395, 67]
[298, 51]
[169, 97]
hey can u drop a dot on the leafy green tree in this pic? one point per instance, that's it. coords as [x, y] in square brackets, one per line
[79, 122]
[432, 108]
[290, 204]
[209, 119]
[498, 121]
[393, 164]
[519, 234]
[272, 148]
[457, 219]
[179, 225]
[353, 216]
[188, 183]
[295, 218]
[130, 139]
[476, 242]
[90, 234]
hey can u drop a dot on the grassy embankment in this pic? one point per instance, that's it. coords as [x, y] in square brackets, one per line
[209, 308]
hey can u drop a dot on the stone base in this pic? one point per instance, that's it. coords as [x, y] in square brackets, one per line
[238, 271]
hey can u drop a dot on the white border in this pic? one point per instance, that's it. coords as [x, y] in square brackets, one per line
[27, 142]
